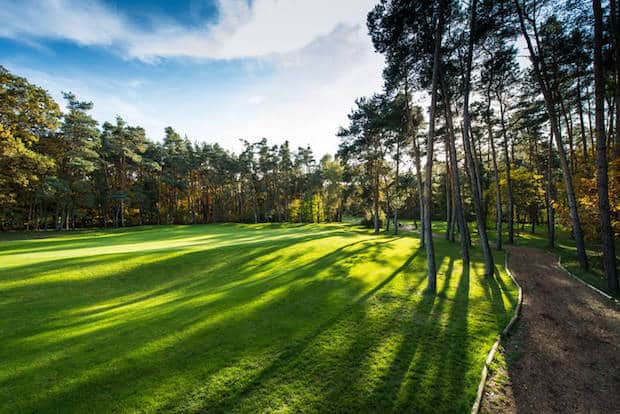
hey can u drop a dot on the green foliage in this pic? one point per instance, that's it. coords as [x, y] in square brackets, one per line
[27, 114]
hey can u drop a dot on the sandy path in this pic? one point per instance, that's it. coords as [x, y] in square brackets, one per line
[564, 355]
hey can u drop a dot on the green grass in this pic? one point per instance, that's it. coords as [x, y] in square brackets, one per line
[241, 318]
[564, 248]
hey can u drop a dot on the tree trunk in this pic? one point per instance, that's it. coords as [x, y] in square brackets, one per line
[460, 211]
[498, 193]
[420, 182]
[549, 196]
[615, 21]
[448, 195]
[489, 266]
[582, 127]
[602, 180]
[428, 201]
[376, 200]
[511, 233]
[396, 187]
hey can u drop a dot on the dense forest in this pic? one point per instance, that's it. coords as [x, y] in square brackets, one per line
[520, 126]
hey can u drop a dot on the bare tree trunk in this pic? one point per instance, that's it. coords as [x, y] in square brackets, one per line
[498, 192]
[584, 143]
[549, 195]
[428, 202]
[511, 232]
[376, 200]
[420, 182]
[615, 17]
[460, 211]
[489, 266]
[602, 180]
[448, 194]
[396, 187]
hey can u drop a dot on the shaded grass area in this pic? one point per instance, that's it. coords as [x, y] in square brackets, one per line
[241, 318]
[564, 248]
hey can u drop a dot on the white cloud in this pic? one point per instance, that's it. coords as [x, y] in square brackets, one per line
[322, 56]
[263, 28]
[256, 99]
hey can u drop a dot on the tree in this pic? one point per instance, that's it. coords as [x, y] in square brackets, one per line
[602, 180]
[474, 177]
[362, 142]
[28, 115]
[540, 69]
[77, 157]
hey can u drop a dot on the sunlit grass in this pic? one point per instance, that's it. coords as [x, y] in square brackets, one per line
[250, 318]
[564, 248]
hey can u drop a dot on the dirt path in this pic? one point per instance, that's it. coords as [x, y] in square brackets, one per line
[564, 355]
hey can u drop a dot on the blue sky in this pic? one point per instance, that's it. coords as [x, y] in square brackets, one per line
[216, 70]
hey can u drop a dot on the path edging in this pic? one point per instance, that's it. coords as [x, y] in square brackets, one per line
[583, 282]
[485, 369]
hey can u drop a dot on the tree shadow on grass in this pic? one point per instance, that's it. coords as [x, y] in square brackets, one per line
[247, 330]
[288, 356]
[140, 345]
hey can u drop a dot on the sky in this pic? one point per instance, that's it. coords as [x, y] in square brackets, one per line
[215, 70]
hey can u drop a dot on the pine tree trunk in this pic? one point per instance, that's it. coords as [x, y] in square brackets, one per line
[615, 22]
[549, 196]
[489, 266]
[602, 180]
[582, 127]
[420, 182]
[459, 208]
[428, 201]
[396, 187]
[498, 193]
[511, 233]
[376, 200]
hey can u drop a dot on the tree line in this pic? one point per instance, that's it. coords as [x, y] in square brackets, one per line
[61, 170]
[518, 123]
[522, 123]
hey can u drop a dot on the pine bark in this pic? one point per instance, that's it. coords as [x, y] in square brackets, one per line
[602, 179]
[489, 265]
[428, 230]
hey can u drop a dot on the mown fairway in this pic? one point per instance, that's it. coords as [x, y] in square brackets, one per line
[241, 318]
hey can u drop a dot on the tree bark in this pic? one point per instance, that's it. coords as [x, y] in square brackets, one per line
[418, 167]
[602, 180]
[489, 266]
[498, 192]
[396, 186]
[511, 232]
[549, 195]
[459, 209]
[428, 202]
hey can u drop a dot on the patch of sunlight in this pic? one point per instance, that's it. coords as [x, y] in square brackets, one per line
[380, 362]
[99, 269]
[235, 312]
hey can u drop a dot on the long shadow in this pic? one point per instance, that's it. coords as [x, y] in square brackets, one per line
[385, 396]
[235, 329]
[139, 329]
[298, 347]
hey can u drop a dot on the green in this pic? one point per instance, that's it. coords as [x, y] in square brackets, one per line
[242, 318]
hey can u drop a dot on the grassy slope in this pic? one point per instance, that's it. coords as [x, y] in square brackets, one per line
[241, 318]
